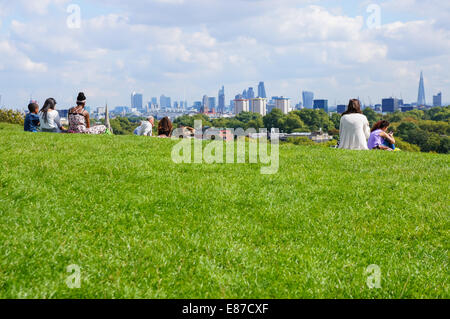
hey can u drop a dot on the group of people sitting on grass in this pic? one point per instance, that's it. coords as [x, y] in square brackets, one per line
[47, 119]
[356, 134]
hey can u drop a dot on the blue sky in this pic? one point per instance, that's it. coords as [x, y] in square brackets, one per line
[188, 48]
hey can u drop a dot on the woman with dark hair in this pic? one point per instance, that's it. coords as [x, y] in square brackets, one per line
[355, 128]
[165, 127]
[79, 120]
[49, 117]
[380, 139]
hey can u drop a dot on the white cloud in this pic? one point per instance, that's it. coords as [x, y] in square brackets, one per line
[12, 59]
[168, 46]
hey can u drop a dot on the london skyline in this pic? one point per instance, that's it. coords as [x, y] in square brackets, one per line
[192, 48]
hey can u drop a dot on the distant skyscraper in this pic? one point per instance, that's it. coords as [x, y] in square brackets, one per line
[250, 93]
[205, 104]
[421, 101]
[390, 105]
[244, 94]
[262, 90]
[321, 104]
[154, 100]
[250, 97]
[137, 101]
[222, 100]
[308, 100]
[212, 103]
[165, 102]
[437, 99]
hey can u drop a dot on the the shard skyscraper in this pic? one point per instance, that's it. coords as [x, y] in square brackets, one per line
[421, 101]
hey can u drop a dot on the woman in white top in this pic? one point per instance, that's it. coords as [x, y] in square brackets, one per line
[355, 128]
[49, 117]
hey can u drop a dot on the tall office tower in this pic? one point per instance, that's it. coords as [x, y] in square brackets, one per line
[421, 101]
[205, 104]
[282, 103]
[321, 104]
[222, 100]
[250, 97]
[390, 105]
[437, 99]
[137, 101]
[308, 99]
[166, 102]
[262, 90]
[244, 94]
[260, 106]
[241, 105]
[154, 100]
[212, 103]
[250, 93]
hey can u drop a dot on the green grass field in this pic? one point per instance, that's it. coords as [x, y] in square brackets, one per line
[140, 226]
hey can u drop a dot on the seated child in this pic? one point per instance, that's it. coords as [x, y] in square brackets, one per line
[31, 123]
[380, 139]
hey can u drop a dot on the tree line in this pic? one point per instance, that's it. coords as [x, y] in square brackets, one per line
[417, 130]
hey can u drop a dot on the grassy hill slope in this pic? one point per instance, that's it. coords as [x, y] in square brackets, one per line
[140, 226]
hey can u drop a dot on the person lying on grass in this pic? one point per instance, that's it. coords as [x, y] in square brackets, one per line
[146, 128]
[380, 139]
[31, 123]
[186, 131]
[138, 129]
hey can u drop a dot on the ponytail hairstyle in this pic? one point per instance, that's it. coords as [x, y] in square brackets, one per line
[49, 104]
[380, 125]
[354, 106]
